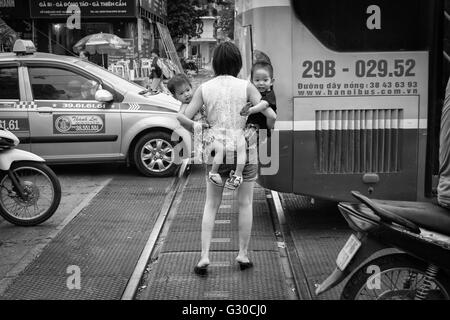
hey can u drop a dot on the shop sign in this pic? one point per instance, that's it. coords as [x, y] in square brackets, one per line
[157, 7]
[14, 9]
[89, 8]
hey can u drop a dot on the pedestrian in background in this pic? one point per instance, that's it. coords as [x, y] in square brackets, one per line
[84, 55]
[224, 96]
[156, 74]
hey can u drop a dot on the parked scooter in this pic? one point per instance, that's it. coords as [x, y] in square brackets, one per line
[29, 190]
[401, 251]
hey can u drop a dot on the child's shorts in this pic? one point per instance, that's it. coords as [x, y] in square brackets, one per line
[250, 172]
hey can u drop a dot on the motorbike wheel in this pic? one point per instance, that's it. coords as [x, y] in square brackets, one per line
[43, 194]
[154, 155]
[400, 277]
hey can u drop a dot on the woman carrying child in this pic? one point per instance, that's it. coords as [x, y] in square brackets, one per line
[224, 97]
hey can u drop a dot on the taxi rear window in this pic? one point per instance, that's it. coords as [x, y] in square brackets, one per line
[9, 83]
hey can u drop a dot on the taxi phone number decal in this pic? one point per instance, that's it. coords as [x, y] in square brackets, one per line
[15, 124]
[78, 124]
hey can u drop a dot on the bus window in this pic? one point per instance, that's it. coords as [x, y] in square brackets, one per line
[390, 25]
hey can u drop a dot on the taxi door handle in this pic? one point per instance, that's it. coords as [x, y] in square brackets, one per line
[45, 110]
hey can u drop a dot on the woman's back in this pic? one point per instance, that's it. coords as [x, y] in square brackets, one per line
[224, 97]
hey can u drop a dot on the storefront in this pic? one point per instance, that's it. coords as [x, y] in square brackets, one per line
[15, 22]
[45, 22]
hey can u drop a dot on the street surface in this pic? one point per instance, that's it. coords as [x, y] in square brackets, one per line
[316, 233]
[134, 237]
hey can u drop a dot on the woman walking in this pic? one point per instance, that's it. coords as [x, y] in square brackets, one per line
[224, 97]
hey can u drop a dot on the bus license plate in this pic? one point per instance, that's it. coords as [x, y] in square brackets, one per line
[347, 252]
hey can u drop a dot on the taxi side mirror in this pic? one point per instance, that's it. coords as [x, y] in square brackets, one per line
[103, 96]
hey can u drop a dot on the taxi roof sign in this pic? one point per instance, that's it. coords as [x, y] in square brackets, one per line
[24, 47]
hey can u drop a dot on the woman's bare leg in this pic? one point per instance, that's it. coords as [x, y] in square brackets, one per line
[212, 203]
[245, 201]
[241, 156]
[218, 156]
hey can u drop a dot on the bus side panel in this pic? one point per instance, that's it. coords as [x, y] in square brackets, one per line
[394, 186]
[357, 118]
[276, 173]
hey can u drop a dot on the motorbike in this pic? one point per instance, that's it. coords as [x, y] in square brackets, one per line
[399, 251]
[30, 191]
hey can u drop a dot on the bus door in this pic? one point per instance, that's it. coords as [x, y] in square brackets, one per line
[360, 83]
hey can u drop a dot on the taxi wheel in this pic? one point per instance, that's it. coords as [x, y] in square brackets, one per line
[154, 155]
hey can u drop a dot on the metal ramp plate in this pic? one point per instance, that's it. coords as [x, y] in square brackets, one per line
[174, 279]
[104, 241]
[319, 232]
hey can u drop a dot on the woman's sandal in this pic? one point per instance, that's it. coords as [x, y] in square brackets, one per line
[215, 179]
[201, 271]
[245, 265]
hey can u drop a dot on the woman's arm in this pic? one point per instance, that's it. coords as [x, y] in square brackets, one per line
[253, 95]
[249, 109]
[185, 121]
[196, 103]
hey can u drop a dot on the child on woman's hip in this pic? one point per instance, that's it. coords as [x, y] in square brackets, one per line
[181, 88]
[262, 116]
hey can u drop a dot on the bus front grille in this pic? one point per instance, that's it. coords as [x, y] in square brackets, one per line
[358, 141]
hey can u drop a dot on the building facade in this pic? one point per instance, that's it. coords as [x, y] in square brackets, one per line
[46, 23]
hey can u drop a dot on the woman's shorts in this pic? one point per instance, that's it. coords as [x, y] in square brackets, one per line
[250, 172]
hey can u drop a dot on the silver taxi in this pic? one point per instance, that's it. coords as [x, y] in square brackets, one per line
[70, 111]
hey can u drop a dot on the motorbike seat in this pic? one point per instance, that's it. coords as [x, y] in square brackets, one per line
[427, 215]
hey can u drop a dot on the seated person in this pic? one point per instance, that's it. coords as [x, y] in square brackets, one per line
[73, 91]
[88, 90]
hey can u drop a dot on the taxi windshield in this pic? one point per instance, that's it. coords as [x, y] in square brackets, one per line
[119, 83]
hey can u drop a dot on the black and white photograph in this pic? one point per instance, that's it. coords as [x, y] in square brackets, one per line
[225, 158]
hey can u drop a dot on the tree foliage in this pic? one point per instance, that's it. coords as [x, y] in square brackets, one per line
[182, 18]
[226, 21]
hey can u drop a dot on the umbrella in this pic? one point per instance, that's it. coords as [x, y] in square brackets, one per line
[102, 43]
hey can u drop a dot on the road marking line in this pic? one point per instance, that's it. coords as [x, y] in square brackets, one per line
[222, 221]
[225, 206]
[37, 250]
[217, 294]
[221, 240]
[220, 264]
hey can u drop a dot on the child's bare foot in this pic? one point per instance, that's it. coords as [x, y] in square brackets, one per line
[215, 178]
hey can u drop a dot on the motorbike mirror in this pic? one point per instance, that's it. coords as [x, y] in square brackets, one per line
[103, 96]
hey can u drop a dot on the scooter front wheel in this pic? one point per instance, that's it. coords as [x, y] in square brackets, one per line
[394, 277]
[42, 194]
